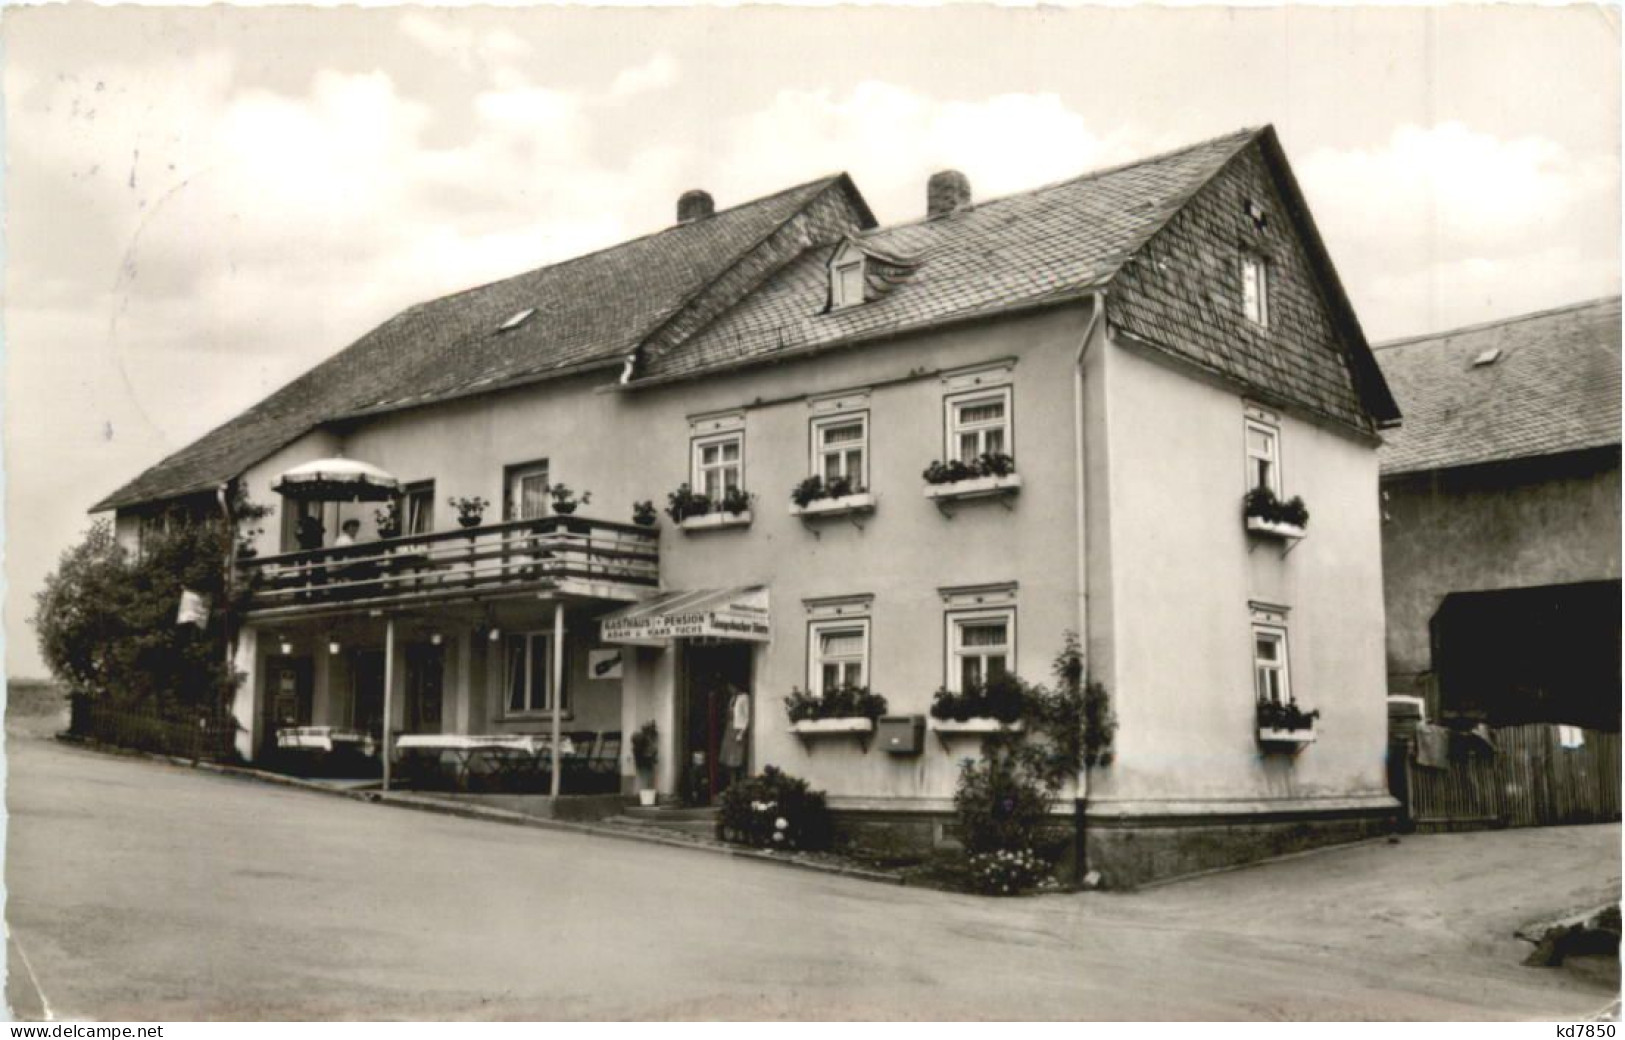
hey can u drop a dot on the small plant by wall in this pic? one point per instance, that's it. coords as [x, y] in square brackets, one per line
[775, 810]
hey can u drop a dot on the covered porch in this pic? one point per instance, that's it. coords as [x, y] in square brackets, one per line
[506, 694]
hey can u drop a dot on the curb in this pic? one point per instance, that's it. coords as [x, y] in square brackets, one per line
[487, 814]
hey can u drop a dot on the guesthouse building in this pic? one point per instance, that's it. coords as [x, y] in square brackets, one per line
[1135, 405]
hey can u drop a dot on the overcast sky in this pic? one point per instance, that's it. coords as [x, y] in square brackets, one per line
[202, 203]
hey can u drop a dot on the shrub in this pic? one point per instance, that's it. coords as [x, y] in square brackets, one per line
[842, 702]
[775, 810]
[107, 625]
[1008, 872]
[1001, 805]
[646, 746]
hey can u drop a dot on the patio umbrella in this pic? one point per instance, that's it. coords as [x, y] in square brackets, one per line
[337, 480]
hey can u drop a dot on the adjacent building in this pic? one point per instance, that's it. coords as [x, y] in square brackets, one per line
[1501, 519]
[1096, 373]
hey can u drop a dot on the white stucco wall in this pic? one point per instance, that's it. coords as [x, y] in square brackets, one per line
[1182, 572]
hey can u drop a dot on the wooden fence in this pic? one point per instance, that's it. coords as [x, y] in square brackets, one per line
[1531, 780]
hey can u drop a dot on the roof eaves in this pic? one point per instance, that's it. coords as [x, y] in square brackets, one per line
[1070, 295]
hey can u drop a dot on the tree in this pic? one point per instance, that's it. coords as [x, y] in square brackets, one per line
[107, 621]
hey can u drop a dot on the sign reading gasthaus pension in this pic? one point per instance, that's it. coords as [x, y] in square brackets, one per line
[716, 614]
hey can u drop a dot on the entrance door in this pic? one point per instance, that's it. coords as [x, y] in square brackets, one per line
[712, 674]
[368, 678]
[288, 694]
[425, 682]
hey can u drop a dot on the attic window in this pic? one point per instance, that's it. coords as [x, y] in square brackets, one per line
[1255, 289]
[1487, 358]
[846, 282]
[1256, 214]
[517, 320]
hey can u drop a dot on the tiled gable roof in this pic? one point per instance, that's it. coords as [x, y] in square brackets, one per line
[1553, 387]
[1048, 244]
[591, 310]
[1059, 242]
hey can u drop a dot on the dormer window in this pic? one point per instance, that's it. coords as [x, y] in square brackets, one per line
[846, 277]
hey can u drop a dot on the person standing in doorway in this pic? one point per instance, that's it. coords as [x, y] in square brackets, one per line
[732, 755]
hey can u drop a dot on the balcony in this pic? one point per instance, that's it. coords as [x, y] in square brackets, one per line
[573, 557]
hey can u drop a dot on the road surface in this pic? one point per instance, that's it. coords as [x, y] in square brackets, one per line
[143, 891]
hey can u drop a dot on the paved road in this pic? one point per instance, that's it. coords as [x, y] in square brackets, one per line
[145, 891]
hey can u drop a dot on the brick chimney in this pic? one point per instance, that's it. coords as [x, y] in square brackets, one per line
[947, 192]
[694, 205]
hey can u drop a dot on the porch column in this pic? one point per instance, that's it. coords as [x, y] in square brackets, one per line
[463, 680]
[389, 696]
[558, 686]
[245, 702]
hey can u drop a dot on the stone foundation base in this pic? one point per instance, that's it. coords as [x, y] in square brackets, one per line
[1129, 851]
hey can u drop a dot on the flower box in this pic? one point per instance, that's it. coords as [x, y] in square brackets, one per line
[819, 727]
[981, 725]
[864, 502]
[1274, 529]
[975, 487]
[711, 521]
[1286, 739]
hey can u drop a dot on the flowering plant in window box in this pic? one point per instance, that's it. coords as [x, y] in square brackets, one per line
[1265, 513]
[996, 703]
[692, 511]
[985, 475]
[684, 503]
[815, 496]
[842, 709]
[1285, 723]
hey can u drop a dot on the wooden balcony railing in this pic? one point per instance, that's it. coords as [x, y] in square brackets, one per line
[620, 560]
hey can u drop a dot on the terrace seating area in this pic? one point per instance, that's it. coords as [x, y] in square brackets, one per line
[509, 763]
[592, 557]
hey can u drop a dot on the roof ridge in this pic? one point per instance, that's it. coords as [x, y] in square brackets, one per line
[1497, 322]
[822, 183]
[1239, 135]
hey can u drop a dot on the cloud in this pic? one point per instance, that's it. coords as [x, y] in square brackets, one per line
[1470, 189]
[463, 45]
[657, 73]
[1446, 224]
[891, 138]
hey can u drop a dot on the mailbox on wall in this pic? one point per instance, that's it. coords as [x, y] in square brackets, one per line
[902, 734]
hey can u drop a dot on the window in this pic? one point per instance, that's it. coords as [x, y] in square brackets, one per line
[417, 508]
[719, 464]
[979, 424]
[837, 654]
[1255, 289]
[1263, 456]
[1270, 680]
[840, 448]
[530, 674]
[847, 286]
[526, 491]
[981, 645]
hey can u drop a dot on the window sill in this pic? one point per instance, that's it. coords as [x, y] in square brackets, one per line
[537, 716]
[1291, 740]
[859, 503]
[713, 521]
[817, 727]
[975, 487]
[950, 727]
[1270, 529]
